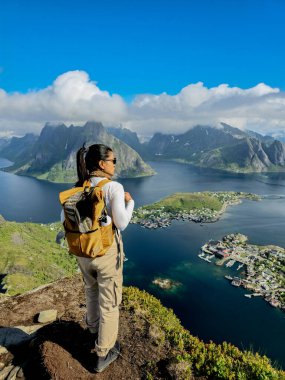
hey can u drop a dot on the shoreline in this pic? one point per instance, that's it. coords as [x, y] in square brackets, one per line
[263, 275]
[157, 216]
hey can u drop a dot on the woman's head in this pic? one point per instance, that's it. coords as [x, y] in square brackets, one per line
[96, 157]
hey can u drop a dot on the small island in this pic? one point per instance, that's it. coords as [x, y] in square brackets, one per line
[264, 273]
[166, 283]
[200, 207]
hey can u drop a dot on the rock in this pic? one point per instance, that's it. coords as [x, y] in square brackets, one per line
[11, 336]
[13, 373]
[5, 372]
[47, 316]
[59, 237]
[29, 329]
[3, 350]
[20, 374]
[166, 283]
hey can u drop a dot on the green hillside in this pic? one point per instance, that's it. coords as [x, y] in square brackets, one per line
[31, 257]
[189, 201]
[190, 355]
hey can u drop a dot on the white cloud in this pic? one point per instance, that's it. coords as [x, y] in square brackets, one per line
[71, 98]
[260, 108]
[74, 98]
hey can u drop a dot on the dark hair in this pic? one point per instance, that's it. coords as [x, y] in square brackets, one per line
[87, 160]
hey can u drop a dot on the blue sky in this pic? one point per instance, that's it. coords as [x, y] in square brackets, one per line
[132, 47]
[151, 66]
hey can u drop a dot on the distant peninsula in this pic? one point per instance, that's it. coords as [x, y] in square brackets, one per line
[199, 207]
[264, 273]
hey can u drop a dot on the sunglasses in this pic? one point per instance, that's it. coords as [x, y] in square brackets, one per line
[114, 160]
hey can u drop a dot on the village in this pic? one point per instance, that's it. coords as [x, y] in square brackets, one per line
[264, 266]
[160, 215]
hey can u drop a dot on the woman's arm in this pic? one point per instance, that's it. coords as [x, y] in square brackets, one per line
[121, 212]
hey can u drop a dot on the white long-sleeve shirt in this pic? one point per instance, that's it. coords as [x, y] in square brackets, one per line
[114, 195]
[119, 211]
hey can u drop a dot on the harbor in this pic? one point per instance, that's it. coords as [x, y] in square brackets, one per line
[263, 272]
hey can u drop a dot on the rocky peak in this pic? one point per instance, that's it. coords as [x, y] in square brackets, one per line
[43, 337]
[276, 152]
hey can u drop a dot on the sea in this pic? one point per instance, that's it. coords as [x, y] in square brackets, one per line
[206, 303]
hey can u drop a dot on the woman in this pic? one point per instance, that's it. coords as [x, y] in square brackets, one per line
[103, 276]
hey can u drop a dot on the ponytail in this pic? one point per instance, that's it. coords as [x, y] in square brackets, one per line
[82, 172]
[87, 160]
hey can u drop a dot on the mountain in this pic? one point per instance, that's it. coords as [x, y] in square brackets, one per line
[18, 147]
[52, 156]
[4, 141]
[258, 136]
[130, 138]
[224, 147]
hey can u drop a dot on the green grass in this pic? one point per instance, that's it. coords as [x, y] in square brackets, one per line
[177, 202]
[187, 201]
[215, 361]
[30, 256]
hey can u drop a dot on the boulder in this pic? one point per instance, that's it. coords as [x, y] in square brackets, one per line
[47, 316]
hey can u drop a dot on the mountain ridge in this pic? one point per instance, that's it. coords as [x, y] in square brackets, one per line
[52, 156]
[226, 148]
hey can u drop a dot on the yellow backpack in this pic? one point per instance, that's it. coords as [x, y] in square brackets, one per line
[85, 213]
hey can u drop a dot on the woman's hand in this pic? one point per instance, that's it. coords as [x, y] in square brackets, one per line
[127, 196]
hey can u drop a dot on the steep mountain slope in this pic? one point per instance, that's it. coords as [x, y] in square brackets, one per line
[18, 146]
[53, 155]
[225, 148]
[130, 138]
[4, 141]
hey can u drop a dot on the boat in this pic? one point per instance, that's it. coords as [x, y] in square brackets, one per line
[230, 263]
[236, 282]
[248, 295]
[205, 258]
[240, 266]
[204, 249]
[228, 277]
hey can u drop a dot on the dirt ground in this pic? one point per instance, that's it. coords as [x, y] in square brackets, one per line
[63, 350]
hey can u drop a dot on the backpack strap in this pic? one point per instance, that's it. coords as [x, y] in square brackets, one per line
[103, 182]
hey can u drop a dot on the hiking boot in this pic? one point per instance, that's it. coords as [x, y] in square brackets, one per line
[102, 362]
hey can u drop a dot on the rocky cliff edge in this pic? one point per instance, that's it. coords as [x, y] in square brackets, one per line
[56, 345]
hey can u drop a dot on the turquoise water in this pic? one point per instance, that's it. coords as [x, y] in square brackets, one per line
[206, 304]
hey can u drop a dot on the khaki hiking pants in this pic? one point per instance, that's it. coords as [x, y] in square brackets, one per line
[103, 278]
